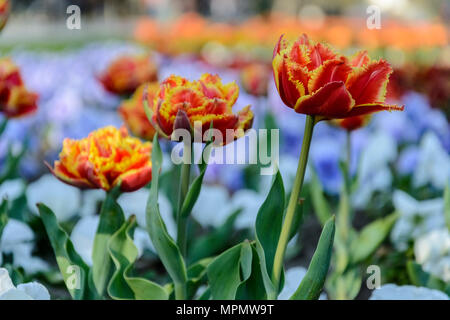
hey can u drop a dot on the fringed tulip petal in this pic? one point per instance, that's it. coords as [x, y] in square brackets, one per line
[180, 103]
[313, 79]
[331, 101]
[368, 83]
[104, 158]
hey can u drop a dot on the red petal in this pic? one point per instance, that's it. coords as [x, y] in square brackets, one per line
[318, 54]
[64, 175]
[330, 71]
[331, 101]
[368, 84]
[278, 47]
[134, 179]
[363, 109]
[360, 59]
[287, 89]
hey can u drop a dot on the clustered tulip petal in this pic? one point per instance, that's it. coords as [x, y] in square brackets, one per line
[133, 113]
[312, 79]
[125, 74]
[106, 158]
[180, 103]
[15, 99]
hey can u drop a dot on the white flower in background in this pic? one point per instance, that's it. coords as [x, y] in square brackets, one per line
[373, 171]
[64, 200]
[394, 292]
[213, 206]
[91, 202]
[249, 201]
[136, 202]
[293, 277]
[12, 189]
[416, 218]
[433, 165]
[288, 169]
[432, 251]
[83, 235]
[25, 291]
[18, 240]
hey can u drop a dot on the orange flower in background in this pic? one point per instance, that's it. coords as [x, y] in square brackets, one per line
[4, 12]
[107, 157]
[125, 74]
[15, 99]
[180, 102]
[312, 79]
[255, 79]
[133, 113]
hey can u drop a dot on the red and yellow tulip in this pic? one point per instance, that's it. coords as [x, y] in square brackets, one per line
[255, 79]
[15, 99]
[125, 74]
[133, 113]
[314, 80]
[4, 12]
[106, 158]
[183, 102]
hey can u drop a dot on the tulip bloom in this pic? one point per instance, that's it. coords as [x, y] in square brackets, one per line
[127, 73]
[133, 113]
[4, 12]
[15, 99]
[180, 102]
[314, 80]
[104, 159]
[255, 79]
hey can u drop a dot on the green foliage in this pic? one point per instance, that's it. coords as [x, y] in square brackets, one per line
[66, 257]
[312, 284]
[167, 250]
[111, 219]
[124, 253]
[229, 270]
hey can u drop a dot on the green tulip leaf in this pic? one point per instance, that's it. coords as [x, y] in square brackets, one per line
[124, 253]
[196, 186]
[269, 221]
[165, 246]
[312, 284]
[371, 237]
[3, 216]
[215, 241]
[229, 270]
[111, 219]
[74, 270]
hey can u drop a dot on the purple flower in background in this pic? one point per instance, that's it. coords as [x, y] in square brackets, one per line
[407, 160]
[325, 154]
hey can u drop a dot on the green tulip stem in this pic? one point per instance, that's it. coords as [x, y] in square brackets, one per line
[293, 202]
[184, 187]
